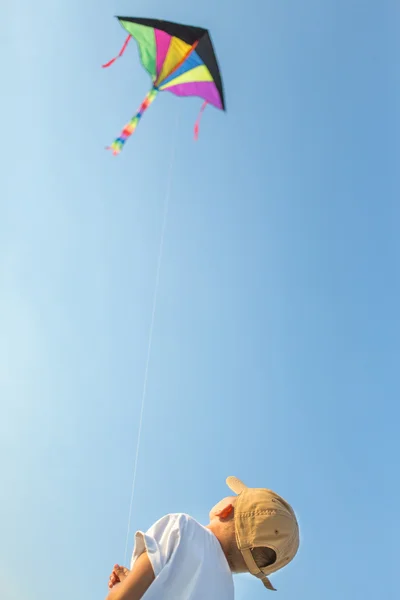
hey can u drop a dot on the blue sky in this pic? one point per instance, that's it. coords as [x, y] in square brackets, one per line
[276, 344]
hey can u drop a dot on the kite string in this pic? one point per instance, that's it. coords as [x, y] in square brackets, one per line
[152, 322]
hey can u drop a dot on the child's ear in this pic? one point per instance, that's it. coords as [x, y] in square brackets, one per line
[226, 512]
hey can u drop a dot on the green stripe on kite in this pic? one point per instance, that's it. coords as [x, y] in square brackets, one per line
[147, 45]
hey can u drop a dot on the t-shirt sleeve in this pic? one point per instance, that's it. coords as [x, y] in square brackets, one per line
[160, 542]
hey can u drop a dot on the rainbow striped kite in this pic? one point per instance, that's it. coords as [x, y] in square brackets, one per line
[179, 59]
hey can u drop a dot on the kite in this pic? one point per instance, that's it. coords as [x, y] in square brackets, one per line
[179, 59]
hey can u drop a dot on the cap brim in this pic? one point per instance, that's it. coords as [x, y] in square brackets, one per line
[236, 485]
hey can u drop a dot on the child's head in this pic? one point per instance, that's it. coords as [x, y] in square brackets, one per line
[257, 529]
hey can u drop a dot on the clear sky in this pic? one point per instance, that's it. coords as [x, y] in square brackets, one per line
[276, 350]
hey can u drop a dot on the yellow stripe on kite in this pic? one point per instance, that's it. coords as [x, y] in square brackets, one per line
[176, 52]
[200, 73]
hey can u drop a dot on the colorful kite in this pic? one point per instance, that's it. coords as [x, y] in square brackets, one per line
[179, 59]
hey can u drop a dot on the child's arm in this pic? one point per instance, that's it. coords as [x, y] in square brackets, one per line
[137, 582]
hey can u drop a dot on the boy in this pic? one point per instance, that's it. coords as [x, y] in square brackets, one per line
[179, 559]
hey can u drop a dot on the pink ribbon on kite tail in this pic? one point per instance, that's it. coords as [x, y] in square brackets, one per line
[112, 61]
[197, 124]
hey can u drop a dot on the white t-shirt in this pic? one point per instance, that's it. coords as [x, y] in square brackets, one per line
[187, 560]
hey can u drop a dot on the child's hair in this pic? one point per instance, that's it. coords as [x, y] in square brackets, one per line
[264, 557]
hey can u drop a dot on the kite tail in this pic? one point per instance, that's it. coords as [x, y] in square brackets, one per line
[197, 124]
[112, 61]
[127, 131]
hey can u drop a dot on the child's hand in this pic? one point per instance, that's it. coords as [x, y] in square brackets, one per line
[118, 575]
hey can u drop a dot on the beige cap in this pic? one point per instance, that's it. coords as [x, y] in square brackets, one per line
[264, 520]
